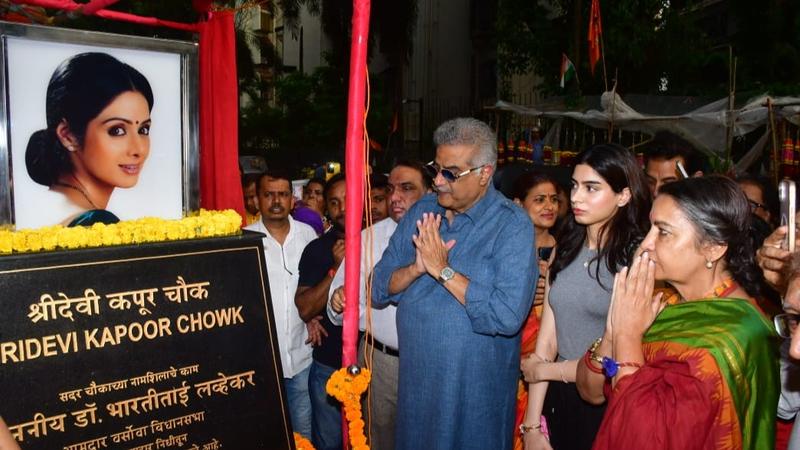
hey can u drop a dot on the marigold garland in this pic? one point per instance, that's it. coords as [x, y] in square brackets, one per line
[302, 443]
[346, 385]
[149, 229]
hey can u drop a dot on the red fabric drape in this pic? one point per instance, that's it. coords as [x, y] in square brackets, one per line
[67, 5]
[96, 5]
[92, 9]
[220, 187]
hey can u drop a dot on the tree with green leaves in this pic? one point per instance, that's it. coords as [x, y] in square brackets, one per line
[676, 47]
[305, 122]
[392, 25]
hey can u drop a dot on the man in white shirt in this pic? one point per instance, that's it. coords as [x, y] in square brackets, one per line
[408, 182]
[283, 245]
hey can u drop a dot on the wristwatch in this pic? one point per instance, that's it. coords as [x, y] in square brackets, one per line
[446, 275]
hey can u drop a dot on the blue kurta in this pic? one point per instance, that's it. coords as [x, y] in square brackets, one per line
[459, 364]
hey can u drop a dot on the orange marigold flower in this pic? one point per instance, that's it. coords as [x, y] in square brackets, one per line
[348, 388]
[302, 443]
[358, 440]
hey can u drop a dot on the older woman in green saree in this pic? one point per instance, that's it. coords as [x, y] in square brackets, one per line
[700, 373]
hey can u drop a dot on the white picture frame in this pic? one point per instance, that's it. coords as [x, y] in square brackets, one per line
[168, 185]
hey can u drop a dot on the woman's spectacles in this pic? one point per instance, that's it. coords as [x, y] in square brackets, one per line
[785, 324]
[434, 169]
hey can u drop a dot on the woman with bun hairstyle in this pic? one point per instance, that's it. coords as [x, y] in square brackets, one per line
[97, 136]
[702, 371]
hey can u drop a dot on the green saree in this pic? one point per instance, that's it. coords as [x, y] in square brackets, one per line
[710, 381]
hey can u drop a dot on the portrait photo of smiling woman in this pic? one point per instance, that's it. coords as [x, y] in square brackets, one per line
[97, 133]
[97, 137]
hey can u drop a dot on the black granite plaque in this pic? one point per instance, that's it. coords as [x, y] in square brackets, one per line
[154, 346]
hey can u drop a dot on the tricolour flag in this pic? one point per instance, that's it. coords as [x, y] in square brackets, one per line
[595, 30]
[567, 70]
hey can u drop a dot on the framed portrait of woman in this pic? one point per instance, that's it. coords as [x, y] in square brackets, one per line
[95, 127]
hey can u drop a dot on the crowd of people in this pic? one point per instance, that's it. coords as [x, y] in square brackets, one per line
[632, 309]
[304, 248]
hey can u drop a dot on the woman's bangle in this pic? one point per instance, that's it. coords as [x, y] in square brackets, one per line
[611, 367]
[561, 370]
[528, 428]
[587, 359]
[593, 350]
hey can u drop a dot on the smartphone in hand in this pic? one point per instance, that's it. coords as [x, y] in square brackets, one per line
[787, 193]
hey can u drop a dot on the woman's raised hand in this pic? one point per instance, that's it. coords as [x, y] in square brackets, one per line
[633, 306]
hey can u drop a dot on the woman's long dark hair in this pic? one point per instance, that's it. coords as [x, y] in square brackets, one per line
[622, 234]
[720, 213]
[79, 89]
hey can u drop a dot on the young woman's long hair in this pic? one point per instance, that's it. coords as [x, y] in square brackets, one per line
[621, 235]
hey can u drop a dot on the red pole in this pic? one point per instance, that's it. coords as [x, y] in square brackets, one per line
[354, 194]
[355, 170]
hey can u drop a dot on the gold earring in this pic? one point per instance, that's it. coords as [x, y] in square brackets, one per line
[709, 265]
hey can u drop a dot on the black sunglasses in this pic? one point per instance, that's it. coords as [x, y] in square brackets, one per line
[433, 169]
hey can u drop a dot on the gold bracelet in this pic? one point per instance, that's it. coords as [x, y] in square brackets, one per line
[593, 351]
[528, 428]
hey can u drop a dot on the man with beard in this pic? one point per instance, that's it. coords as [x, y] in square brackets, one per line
[408, 182]
[461, 268]
[284, 241]
[317, 267]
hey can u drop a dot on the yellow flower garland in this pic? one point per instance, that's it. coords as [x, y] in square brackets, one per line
[149, 229]
[346, 385]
